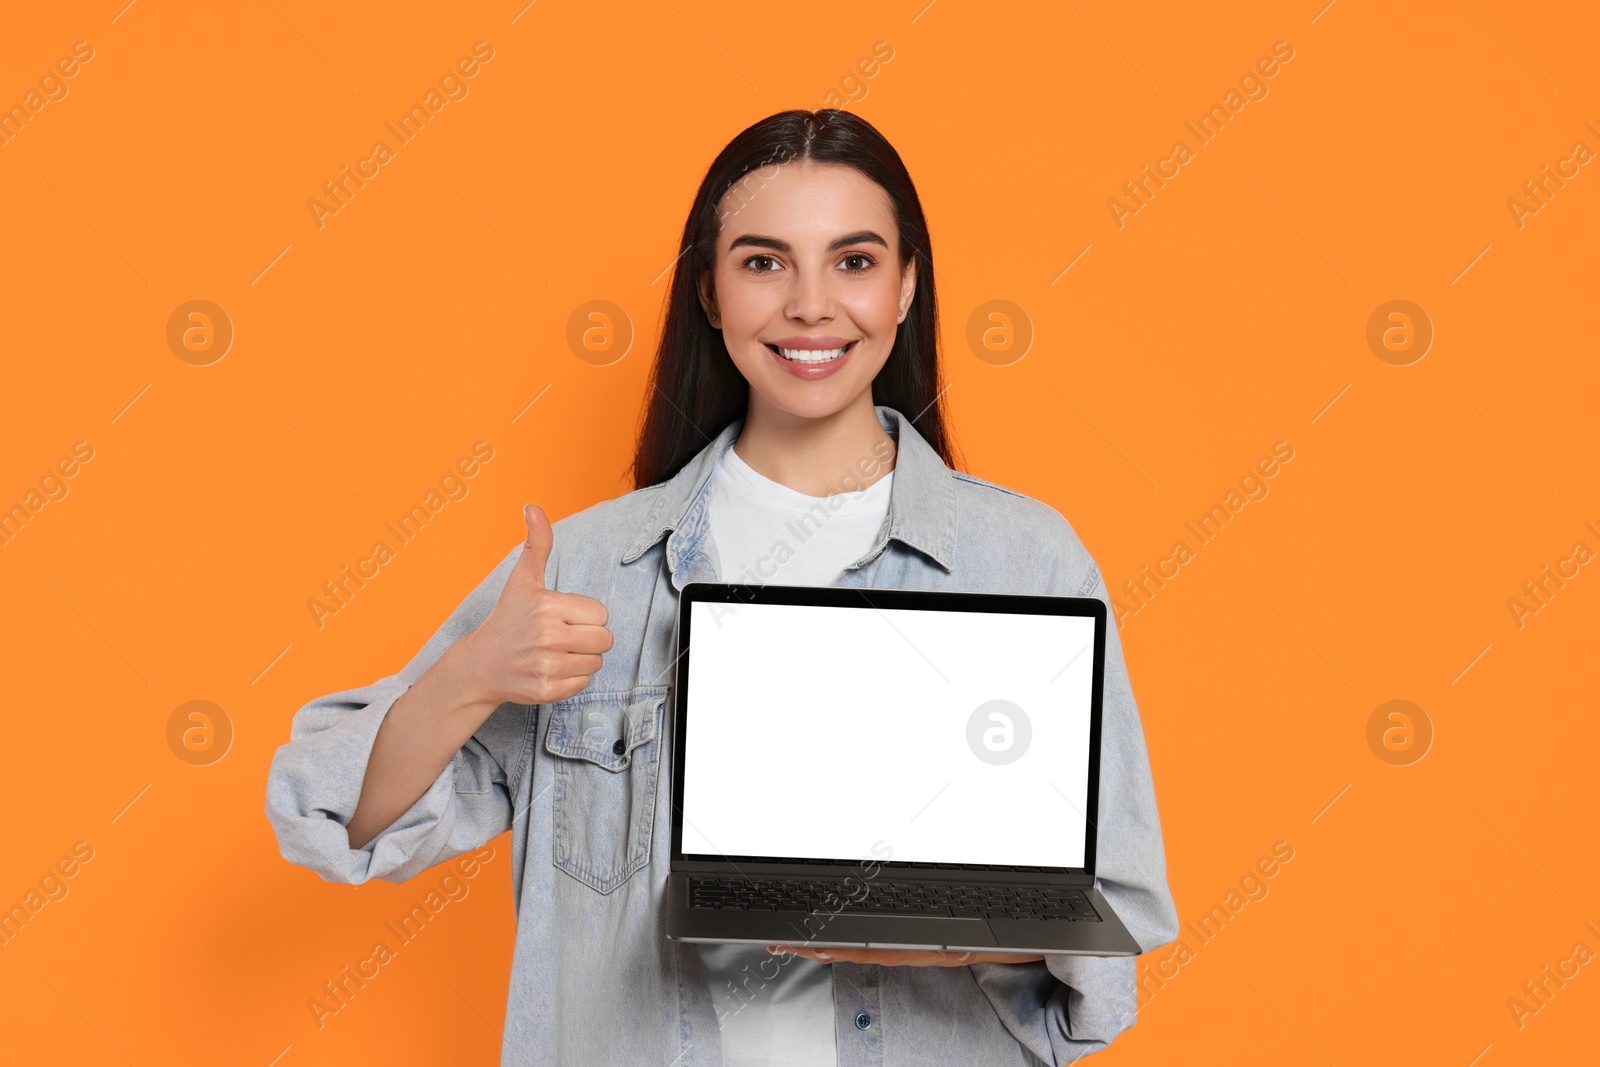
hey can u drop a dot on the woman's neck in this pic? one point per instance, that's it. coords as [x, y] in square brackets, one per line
[843, 452]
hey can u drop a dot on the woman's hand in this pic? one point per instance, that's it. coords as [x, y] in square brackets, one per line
[537, 645]
[896, 958]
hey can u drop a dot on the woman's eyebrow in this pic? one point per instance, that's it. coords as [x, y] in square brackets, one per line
[756, 240]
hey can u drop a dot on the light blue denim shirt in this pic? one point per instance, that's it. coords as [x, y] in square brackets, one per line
[594, 979]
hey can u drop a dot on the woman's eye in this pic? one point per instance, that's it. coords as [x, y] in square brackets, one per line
[767, 264]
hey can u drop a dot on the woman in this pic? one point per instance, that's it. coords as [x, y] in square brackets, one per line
[798, 367]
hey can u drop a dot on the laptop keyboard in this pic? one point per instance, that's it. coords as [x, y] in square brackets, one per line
[963, 901]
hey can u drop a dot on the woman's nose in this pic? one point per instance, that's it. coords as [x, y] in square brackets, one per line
[811, 300]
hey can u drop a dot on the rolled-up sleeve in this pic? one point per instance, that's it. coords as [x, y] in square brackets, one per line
[1086, 1001]
[315, 779]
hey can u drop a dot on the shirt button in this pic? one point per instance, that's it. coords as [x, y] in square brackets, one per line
[619, 747]
[863, 1021]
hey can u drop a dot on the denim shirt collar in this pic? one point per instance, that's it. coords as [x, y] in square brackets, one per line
[922, 511]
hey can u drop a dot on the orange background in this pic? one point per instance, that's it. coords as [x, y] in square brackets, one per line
[1228, 314]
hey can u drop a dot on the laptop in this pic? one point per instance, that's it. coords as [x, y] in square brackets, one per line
[888, 769]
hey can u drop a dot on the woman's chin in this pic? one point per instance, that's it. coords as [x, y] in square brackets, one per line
[806, 400]
[813, 399]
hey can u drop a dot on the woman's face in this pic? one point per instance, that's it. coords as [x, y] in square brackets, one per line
[807, 265]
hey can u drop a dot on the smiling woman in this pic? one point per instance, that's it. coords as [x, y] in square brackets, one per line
[797, 379]
[798, 305]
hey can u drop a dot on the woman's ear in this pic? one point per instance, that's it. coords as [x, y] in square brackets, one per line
[908, 288]
[705, 286]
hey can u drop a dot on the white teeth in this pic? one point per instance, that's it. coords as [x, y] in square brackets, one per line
[812, 355]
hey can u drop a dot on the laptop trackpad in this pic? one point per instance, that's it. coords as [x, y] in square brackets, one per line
[911, 931]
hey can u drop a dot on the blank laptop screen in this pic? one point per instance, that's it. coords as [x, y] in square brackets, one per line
[842, 733]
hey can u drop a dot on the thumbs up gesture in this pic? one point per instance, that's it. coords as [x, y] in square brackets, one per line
[538, 645]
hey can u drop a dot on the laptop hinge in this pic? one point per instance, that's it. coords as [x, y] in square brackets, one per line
[812, 870]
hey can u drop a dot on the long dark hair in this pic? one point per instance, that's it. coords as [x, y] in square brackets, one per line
[695, 389]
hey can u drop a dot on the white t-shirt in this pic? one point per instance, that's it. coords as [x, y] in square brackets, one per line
[777, 1011]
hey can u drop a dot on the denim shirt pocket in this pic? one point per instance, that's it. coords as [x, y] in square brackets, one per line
[608, 760]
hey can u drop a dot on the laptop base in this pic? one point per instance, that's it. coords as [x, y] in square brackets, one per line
[820, 928]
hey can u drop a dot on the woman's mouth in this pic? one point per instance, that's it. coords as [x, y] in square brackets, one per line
[812, 364]
[811, 356]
